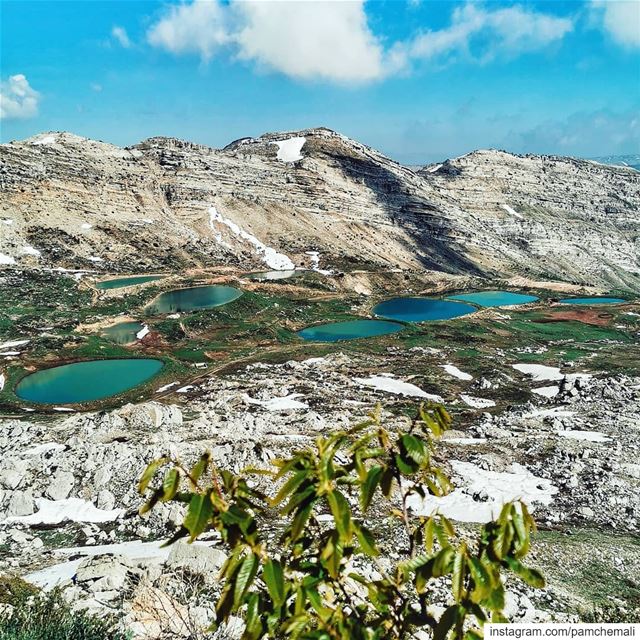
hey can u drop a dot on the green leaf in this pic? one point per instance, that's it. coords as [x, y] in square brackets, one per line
[414, 448]
[273, 577]
[386, 482]
[244, 578]
[447, 620]
[300, 520]
[369, 486]
[290, 486]
[170, 485]
[200, 510]
[367, 541]
[481, 579]
[406, 465]
[149, 472]
[253, 625]
[531, 576]
[443, 562]
[156, 496]
[458, 573]
[341, 514]
[200, 467]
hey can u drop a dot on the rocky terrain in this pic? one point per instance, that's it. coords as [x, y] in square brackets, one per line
[75, 203]
[69, 503]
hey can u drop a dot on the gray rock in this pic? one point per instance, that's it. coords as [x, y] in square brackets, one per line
[20, 504]
[61, 485]
[196, 558]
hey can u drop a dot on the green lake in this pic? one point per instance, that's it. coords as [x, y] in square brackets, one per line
[349, 330]
[421, 309]
[86, 381]
[128, 281]
[123, 332]
[194, 298]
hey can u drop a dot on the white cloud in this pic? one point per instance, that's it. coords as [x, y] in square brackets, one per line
[331, 39]
[96, 86]
[482, 34]
[306, 39]
[200, 27]
[120, 34]
[619, 18]
[310, 39]
[18, 99]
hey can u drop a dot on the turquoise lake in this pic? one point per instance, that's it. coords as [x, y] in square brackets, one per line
[593, 300]
[349, 330]
[194, 298]
[117, 283]
[421, 309]
[276, 275]
[123, 332]
[86, 381]
[494, 298]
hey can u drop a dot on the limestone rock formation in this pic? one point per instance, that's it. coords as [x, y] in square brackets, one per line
[76, 203]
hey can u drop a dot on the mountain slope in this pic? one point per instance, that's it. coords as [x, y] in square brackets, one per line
[167, 203]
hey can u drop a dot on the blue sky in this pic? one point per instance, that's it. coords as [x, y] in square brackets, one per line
[419, 80]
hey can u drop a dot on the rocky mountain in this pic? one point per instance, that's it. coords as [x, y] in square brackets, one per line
[76, 203]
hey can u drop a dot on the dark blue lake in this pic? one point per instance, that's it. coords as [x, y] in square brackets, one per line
[421, 309]
[494, 298]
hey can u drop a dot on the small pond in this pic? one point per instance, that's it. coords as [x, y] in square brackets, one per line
[128, 281]
[592, 300]
[277, 275]
[421, 309]
[494, 298]
[86, 381]
[123, 332]
[349, 330]
[194, 298]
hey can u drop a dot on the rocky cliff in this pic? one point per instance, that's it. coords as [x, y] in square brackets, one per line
[77, 203]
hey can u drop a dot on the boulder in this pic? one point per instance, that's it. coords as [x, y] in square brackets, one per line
[20, 504]
[61, 485]
[196, 558]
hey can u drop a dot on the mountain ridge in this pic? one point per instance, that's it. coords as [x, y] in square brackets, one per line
[487, 213]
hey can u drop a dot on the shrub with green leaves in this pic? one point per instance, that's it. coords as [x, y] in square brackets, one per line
[307, 584]
[32, 615]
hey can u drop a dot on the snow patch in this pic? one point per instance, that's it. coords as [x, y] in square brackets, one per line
[45, 140]
[492, 487]
[315, 263]
[547, 392]
[135, 550]
[434, 169]
[86, 225]
[2, 381]
[388, 384]
[589, 436]
[464, 441]
[31, 251]
[13, 343]
[478, 403]
[143, 332]
[539, 372]
[7, 221]
[185, 389]
[95, 259]
[67, 409]
[452, 370]
[5, 259]
[511, 211]
[72, 509]
[270, 256]
[279, 404]
[166, 386]
[290, 150]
